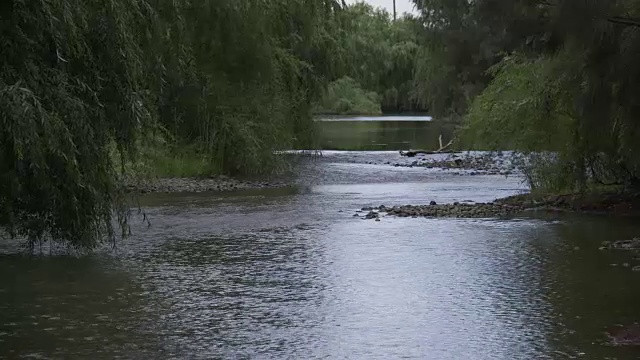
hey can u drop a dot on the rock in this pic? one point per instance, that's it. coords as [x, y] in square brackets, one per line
[378, 219]
[633, 244]
[367, 208]
[372, 215]
[433, 203]
[625, 335]
[356, 214]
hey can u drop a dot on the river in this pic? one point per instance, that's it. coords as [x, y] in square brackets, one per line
[291, 273]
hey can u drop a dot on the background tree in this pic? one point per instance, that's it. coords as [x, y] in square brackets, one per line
[379, 54]
[539, 75]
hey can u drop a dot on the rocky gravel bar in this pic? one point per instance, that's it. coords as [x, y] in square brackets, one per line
[195, 185]
[455, 210]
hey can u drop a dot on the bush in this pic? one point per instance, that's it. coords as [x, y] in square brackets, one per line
[345, 97]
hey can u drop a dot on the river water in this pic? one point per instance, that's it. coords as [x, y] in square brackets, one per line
[292, 274]
[383, 132]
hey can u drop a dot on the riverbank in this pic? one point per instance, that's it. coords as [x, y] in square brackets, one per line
[614, 203]
[198, 184]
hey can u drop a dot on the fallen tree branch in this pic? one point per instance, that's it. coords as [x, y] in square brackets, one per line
[441, 150]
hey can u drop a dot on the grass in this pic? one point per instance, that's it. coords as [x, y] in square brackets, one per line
[159, 159]
[181, 163]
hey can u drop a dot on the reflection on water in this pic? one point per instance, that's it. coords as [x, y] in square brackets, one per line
[413, 118]
[388, 134]
[293, 274]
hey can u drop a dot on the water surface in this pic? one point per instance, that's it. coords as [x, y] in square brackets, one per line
[383, 133]
[290, 273]
[414, 118]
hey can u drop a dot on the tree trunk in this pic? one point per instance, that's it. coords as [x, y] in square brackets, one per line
[395, 15]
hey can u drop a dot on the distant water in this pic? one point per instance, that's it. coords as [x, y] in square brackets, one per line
[382, 132]
[375, 118]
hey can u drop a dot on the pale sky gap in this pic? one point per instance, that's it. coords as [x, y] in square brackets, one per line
[401, 5]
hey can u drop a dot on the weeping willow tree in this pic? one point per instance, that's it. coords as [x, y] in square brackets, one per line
[80, 77]
[237, 77]
[559, 76]
[376, 56]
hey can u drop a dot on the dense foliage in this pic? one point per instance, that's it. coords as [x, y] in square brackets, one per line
[234, 79]
[379, 55]
[345, 97]
[559, 75]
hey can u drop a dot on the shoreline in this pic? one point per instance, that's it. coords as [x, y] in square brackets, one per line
[593, 203]
[598, 201]
[218, 183]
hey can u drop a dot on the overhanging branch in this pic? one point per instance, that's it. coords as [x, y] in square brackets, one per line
[624, 21]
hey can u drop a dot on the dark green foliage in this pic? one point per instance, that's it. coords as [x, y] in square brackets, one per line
[71, 81]
[378, 53]
[345, 96]
[233, 79]
[554, 75]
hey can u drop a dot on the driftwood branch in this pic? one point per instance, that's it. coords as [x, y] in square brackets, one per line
[441, 150]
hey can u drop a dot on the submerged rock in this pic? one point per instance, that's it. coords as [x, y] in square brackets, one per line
[625, 335]
[633, 244]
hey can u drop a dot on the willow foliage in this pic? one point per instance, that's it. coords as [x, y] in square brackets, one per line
[558, 75]
[76, 77]
[378, 53]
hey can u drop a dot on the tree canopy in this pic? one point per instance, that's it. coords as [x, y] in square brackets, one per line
[556, 75]
[378, 54]
[78, 78]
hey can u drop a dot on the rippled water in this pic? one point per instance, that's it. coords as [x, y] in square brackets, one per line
[290, 273]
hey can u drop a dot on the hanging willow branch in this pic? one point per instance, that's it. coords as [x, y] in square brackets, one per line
[82, 83]
[625, 21]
